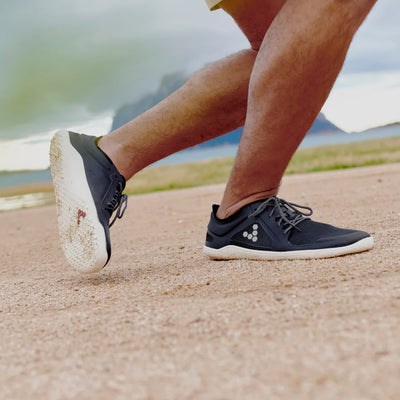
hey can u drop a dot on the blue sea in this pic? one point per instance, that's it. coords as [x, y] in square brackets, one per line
[190, 155]
[313, 140]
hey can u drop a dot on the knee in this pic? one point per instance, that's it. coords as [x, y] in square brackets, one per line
[253, 17]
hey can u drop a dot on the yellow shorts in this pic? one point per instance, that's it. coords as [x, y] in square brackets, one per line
[213, 4]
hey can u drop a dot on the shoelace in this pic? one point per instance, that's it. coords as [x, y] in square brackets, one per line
[289, 213]
[118, 203]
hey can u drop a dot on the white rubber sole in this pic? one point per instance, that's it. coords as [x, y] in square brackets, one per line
[82, 236]
[235, 252]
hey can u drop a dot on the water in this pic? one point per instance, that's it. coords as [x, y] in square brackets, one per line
[24, 178]
[190, 155]
[309, 141]
[26, 200]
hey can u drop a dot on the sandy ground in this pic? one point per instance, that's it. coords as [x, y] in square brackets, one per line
[164, 322]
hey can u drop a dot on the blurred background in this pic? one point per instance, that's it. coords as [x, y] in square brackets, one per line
[73, 64]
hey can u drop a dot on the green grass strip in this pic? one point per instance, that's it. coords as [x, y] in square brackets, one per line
[351, 155]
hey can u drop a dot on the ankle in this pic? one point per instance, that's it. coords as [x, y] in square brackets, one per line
[115, 152]
[226, 209]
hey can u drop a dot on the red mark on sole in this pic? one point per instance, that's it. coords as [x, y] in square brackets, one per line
[81, 214]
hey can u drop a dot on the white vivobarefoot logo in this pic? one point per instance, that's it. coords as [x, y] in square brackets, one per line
[253, 235]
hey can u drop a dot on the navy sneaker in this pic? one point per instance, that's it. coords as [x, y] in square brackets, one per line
[275, 229]
[88, 189]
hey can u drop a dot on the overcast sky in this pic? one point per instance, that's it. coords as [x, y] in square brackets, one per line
[67, 62]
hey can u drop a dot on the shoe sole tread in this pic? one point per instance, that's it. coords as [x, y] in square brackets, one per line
[81, 234]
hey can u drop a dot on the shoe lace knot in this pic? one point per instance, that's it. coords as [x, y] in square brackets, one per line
[289, 215]
[118, 203]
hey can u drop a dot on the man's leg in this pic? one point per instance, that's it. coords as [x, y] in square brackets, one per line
[211, 103]
[298, 62]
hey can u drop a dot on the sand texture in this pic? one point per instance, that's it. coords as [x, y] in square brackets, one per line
[164, 322]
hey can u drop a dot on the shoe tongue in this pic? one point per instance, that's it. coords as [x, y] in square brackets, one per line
[286, 212]
[252, 207]
[289, 214]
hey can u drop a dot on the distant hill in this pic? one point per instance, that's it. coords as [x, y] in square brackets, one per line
[393, 125]
[169, 83]
[322, 125]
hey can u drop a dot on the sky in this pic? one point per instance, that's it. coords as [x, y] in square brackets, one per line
[71, 64]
